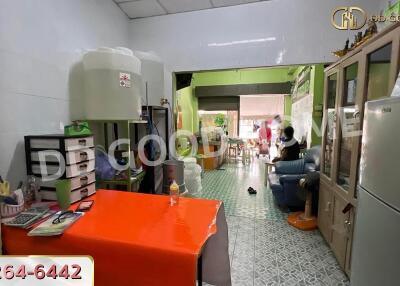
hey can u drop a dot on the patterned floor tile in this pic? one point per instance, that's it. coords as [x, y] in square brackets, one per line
[242, 273]
[263, 248]
[265, 275]
[315, 281]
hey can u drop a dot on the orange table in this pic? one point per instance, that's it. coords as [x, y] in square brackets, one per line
[135, 239]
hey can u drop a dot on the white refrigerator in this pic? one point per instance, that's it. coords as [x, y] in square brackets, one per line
[376, 244]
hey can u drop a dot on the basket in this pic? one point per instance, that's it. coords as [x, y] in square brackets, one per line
[11, 210]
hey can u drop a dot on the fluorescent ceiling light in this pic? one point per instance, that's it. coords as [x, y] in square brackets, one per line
[211, 112]
[260, 95]
[279, 59]
[241, 42]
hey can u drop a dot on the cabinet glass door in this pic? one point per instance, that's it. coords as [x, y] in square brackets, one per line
[330, 125]
[378, 76]
[349, 125]
[379, 63]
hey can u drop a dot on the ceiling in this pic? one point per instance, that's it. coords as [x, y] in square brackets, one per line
[148, 8]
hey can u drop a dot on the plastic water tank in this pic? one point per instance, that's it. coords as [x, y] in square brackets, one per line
[113, 84]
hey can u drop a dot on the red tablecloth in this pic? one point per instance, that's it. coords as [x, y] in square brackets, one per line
[135, 239]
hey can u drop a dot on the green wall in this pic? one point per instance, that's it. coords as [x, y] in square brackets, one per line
[246, 76]
[317, 91]
[287, 110]
[189, 104]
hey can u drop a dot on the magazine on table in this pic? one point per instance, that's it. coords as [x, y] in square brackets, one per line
[56, 224]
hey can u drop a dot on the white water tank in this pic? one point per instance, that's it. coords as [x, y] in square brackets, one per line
[153, 75]
[113, 84]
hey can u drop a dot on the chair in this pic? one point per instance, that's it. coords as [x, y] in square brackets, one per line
[233, 148]
[232, 153]
[246, 155]
[284, 181]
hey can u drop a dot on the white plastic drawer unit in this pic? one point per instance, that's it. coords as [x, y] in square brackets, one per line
[76, 182]
[83, 180]
[70, 144]
[76, 195]
[65, 158]
[79, 169]
[70, 170]
[78, 143]
[71, 157]
[45, 144]
[78, 156]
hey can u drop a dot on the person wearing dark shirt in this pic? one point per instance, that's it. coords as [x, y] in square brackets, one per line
[291, 148]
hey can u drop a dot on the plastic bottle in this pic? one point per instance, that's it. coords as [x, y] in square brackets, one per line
[173, 193]
[31, 189]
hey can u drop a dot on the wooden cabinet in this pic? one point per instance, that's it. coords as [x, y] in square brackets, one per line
[339, 229]
[367, 73]
[350, 228]
[325, 211]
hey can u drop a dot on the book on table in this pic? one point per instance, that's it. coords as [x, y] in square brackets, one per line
[55, 225]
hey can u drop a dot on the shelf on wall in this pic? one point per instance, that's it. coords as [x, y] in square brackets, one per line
[104, 134]
[125, 125]
[128, 183]
[133, 179]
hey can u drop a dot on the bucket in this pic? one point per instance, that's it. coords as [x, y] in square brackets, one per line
[173, 170]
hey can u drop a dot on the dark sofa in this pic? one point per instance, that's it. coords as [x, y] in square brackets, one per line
[284, 181]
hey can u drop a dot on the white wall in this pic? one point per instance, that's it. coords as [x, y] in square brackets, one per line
[384, 5]
[301, 28]
[302, 116]
[40, 43]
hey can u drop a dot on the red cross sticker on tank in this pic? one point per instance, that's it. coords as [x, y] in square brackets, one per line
[124, 79]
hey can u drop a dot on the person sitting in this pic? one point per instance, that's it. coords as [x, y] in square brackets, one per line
[290, 147]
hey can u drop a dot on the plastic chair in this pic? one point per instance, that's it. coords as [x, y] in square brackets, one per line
[246, 156]
[232, 149]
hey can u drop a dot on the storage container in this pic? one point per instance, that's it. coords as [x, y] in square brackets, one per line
[113, 85]
[7, 210]
[76, 195]
[77, 152]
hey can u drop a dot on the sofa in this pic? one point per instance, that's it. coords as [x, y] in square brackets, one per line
[284, 181]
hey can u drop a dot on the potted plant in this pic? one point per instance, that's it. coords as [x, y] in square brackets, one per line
[219, 120]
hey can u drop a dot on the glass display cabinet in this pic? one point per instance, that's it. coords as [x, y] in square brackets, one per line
[367, 73]
[330, 111]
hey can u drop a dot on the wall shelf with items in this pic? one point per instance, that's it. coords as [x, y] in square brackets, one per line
[302, 84]
[366, 73]
[156, 120]
[105, 133]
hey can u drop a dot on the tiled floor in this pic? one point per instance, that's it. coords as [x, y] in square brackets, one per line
[264, 249]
